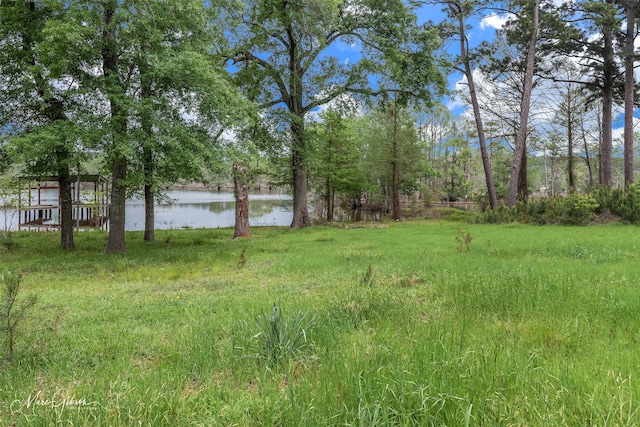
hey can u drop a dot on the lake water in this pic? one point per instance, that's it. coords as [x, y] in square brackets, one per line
[190, 209]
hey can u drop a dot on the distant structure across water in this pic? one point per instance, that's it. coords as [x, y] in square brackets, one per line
[39, 202]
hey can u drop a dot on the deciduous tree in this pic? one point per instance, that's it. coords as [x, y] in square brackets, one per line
[284, 60]
[39, 98]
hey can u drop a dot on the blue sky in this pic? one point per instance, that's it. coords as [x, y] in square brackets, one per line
[483, 29]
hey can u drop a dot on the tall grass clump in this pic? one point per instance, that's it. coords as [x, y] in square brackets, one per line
[277, 338]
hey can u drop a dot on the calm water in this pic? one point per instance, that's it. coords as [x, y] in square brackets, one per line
[190, 209]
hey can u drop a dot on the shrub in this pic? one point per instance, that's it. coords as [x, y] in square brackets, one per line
[499, 215]
[573, 209]
[625, 204]
[12, 311]
[578, 209]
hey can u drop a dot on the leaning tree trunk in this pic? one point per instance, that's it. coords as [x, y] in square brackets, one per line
[241, 192]
[587, 155]
[486, 161]
[524, 111]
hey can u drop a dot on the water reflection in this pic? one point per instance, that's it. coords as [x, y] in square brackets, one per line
[197, 209]
[200, 209]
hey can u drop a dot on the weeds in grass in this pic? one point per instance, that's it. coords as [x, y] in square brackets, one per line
[372, 298]
[12, 312]
[464, 241]
[167, 238]
[367, 277]
[242, 259]
[7, 241]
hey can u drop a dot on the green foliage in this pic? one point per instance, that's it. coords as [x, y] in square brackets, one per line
[500, 215]
[9, 196]
[391, 144]
[624, 204]
[335, 157]
[577, 209]
[574, 209]
[5, 159]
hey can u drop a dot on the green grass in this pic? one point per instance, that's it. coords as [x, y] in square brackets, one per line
[532, 326]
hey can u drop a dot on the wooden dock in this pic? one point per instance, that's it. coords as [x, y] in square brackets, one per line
[90, 203]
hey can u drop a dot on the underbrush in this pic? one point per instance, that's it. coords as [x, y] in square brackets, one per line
[601, 205]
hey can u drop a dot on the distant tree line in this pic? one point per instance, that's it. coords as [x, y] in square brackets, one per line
[159, 91]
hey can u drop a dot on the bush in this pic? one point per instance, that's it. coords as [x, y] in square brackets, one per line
[574, 209]
[499, 215]
[577, 209]
[625, 204]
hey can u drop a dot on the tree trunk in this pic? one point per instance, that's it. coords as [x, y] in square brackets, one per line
[486, 161]
[149, 214]
[587, 154]
[54, 111]
[66, 209]
[570, 166]
[629, 83]
[329, 199]
[357, 210]
[241, 193]
[147, 152]
[116, 243]
[395, 173]
[599, 155]
[524, 111]
[301, 217]
[523, 186]
[149, 200]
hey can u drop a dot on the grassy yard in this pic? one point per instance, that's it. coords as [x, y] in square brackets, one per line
[394, 324]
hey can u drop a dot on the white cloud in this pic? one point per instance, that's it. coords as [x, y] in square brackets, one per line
[455, 102]
[494, 21]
